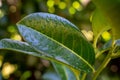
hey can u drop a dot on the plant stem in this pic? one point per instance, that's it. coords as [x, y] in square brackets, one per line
[103, 65]
[95, 42]
[77, 77]
[84, 76]
[115, 56]
[100, 53]
[77, 73]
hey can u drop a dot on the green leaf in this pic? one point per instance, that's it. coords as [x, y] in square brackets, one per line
[111, 11]
[18, 46]
[99, 23]
[117, 46]
[23, 47]
[116, 49]
[117, 42]
[64, 72]
[50, 74]
[107, 45]
[61, 30]
[53, 49]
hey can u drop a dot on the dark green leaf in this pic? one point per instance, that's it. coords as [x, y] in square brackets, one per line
[17, 46]
[64, 72]
[23, 47]
[53, 49]
[62, 31]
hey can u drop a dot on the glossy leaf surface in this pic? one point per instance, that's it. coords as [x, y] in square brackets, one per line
[53, 49]
[17, 46]
[62, 31]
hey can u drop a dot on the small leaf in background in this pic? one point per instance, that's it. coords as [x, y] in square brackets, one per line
[99, 23]
[50, 75]
[116, 50]
[117, 46]
[64, 72]
[53, 49]
[111, 11]
[107, 45]
[62, 31]
[26, 75]
[117, 42]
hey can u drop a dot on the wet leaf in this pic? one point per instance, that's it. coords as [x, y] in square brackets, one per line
[53, 49]
[61, 30]
[19, 46]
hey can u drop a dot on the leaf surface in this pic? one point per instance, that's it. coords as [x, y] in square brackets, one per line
[53, 49]
[61, 30]
[19, 46]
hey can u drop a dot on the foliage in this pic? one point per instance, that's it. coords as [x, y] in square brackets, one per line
[54, 38]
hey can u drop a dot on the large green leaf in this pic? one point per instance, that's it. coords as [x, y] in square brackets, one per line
[64, 72]
[99, 23]
[111, 11]
[8, 44]
[62, 31]
[53, 49]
